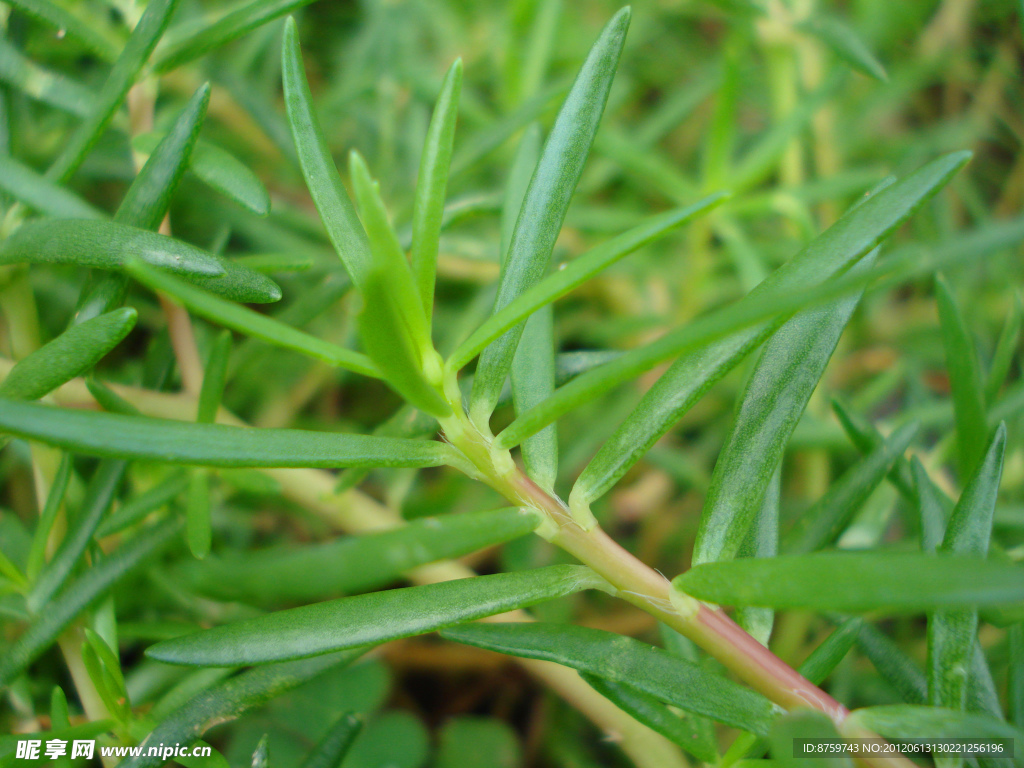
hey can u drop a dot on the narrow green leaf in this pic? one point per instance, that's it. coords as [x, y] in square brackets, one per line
[99, 496]
[251, 323]
[776, 394]
[965, 381]
[122, 76]
[354, 563]
[846, 241]
[720, 138]
[898, 669]
[932, 511]
[1006, 350]
[907, 721]
[213, 445]
[805, 725]
[352, 622]
[1015, 682]
[148, 198]
[230, 699]
[518, 181]
[104, 245]
[59, 716]
[397, 350]
[846, 44]
[42, 195]
[197, 514]
[219, 170]
[239, 283]
[109, 673]
[214, 379]
[546, 202]
[321, 174]
[952, 634]
[829, 516]
[138, 507]
[62, 20]
[762, 541]
[533, 380]
[193, 41]
[857, 581]
[648, 710]
[330, 751]
[866, 437]
[48, 516]
[431, 185]
[574, 273]
[69, 355]
[624, 660]
[109, 400]
[80, 594]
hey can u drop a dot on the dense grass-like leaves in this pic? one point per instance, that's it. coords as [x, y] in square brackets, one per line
[69, 355]
[857, 581]
[40, 194]
[138, 507]
[232, 698]
[319, 170]
[251, 323]
[846, 241]
[777, 392]
[624, 660]
[952, 634]
[354, 563]
[62, 20]
[122, 76]
[965, 381]
[428, 206]
[377, 617]
[213, 445]
[574, 273]
[80, 594]
[546, 202]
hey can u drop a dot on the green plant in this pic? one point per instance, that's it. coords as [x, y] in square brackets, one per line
[713, 669]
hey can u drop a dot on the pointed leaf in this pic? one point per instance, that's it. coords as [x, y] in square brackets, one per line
[213, 445]
[146, 202]
[321, 174]
[624, 660]
[846, 241]
[829, 516]
[80, 594]
[428, 206]
[374, 618]
[69, 355]
[901, 672]
[965, 381]
[547, 200]
[866, 437]
[574, 273]
[931, 508]
[47, 518]
[230, 699]
[102, 244]
[355, 563]
[330, 751]
[122, 76]
[846, 44]
[42, 195]
[1006, 349]
[857, 581]
[138, 507]
[244, 320]
[776, 394]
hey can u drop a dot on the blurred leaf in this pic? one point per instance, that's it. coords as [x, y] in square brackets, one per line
[776, 393]
[866, 437]
[846, 241]
[857, 581]
[39, 83]
[331, 750]
[136, 508]
[1015, 683]
[214, 378]
[318, 168]
[478, 742]
[230, 699]
[251, 323]
[352, 622]
[47, 517]
[122, 76]
[965, 381]
[846, 44]
[80, 594]
[355, 563]
[546, 201]
[213, 445]
[41, 194]
[69, 355]
[394, 739]
[1006, 350]
[898, 669]
[907, 721]
[805, 725]
[829, 516]
[624, 660]
[72, 25]
[428, 207]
